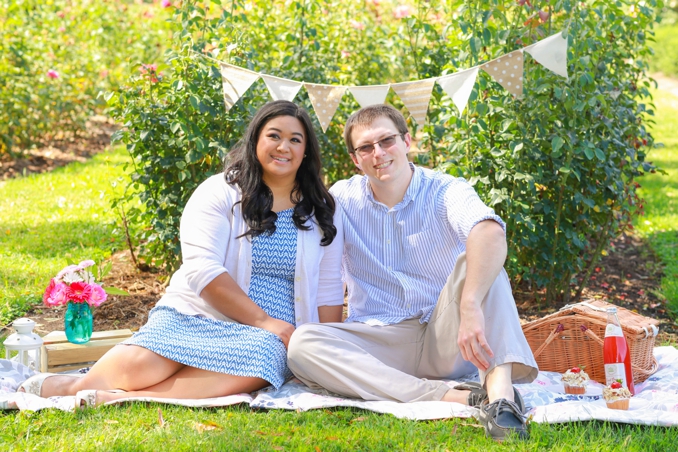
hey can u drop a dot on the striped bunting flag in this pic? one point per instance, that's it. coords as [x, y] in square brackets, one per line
[415, 96]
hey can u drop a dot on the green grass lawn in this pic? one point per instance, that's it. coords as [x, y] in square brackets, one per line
[660, 192]
[138, 427]
[48, 219]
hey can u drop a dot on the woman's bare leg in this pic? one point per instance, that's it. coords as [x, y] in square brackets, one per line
[127, 367]
[192, 383]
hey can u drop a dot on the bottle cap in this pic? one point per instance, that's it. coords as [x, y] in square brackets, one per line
[612, 309]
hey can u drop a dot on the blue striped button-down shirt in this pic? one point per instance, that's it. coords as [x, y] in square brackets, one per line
[396, 261]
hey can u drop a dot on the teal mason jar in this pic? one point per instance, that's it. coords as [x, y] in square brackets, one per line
[78, 322]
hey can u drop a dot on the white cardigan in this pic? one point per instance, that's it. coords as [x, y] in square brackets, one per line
[210, 247]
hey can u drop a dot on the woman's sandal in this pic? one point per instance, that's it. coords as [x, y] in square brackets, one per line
[87, 398]
[33, 385]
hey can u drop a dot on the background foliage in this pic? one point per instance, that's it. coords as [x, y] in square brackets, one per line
[57, 55]
[665, 57]
[559, 165]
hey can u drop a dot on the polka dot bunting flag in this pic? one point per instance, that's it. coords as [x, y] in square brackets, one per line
[325, 100]
[507, 70]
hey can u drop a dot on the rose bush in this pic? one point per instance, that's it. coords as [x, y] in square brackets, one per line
[560, 165]
[56, 56]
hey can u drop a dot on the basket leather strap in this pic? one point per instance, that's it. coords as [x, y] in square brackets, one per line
[559, 328]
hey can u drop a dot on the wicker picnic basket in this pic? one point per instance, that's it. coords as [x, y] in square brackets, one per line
[574, 336]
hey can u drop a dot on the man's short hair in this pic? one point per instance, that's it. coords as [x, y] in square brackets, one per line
[366, 116]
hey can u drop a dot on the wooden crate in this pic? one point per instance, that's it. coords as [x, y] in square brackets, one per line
[59, 355]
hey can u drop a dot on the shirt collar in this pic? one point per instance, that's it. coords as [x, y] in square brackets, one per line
[410, 194]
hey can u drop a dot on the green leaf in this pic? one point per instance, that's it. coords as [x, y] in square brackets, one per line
[600, 154]
[175, 126]
[589, 153]
[475, 45]
[195, 102]
[557, 143]
[144, 134]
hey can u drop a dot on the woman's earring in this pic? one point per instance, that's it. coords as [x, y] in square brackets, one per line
[305, 155]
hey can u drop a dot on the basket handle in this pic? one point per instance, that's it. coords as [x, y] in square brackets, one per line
[591, 334]
[558, 329]
[635, 369]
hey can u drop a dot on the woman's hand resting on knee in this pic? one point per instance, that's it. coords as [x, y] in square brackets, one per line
[280, 328]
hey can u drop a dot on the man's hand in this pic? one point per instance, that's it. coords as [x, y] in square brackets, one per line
[280, 328]
[471, 339]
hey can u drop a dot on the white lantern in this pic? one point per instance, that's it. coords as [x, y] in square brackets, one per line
[25, 342]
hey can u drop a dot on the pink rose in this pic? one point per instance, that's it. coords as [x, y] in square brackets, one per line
[145, 68]
[357, 25]
[46, 297]
[543, 16]
[55, 294]
[98, 296]
[52, 74]
[345, 54]
[79, 292]
[402, 11]
[166, 3]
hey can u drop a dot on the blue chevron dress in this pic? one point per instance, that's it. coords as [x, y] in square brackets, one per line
[233, 348]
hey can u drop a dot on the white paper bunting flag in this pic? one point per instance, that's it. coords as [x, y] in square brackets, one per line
[325, 100]
[236, 81]
[551, 53]
[508, 72]
[415, 96]
[369, 95]
[459, 86]
[281, 88]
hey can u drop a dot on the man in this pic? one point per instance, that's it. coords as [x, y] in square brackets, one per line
[428, 297]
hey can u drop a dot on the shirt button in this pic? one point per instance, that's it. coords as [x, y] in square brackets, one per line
[298, 278]
[389, 268]
[298, 319]
[388, 242]
[297, 299]
[409, 305]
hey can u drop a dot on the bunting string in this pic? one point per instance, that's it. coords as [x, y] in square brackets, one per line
[507, 70]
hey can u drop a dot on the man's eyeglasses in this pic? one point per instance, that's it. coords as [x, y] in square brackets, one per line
[385, 143]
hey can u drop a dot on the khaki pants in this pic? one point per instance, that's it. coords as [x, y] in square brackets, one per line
[404, 362]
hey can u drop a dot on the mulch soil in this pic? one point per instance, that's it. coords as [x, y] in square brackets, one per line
[629, 276]
[60, 150]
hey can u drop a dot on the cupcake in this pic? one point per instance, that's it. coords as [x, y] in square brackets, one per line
[575, 381]
[617, 396]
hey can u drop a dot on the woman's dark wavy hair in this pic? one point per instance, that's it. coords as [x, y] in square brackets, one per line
[309, 195]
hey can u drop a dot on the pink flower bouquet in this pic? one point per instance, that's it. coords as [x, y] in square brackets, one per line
[74, 283]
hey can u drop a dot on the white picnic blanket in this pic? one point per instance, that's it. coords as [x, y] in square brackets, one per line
[655, 403]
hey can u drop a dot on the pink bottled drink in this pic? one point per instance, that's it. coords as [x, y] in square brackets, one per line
[616, 353]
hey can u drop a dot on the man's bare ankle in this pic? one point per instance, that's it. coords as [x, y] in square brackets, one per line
[457, 396]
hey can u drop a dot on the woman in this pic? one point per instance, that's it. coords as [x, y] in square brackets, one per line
[261, 248]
